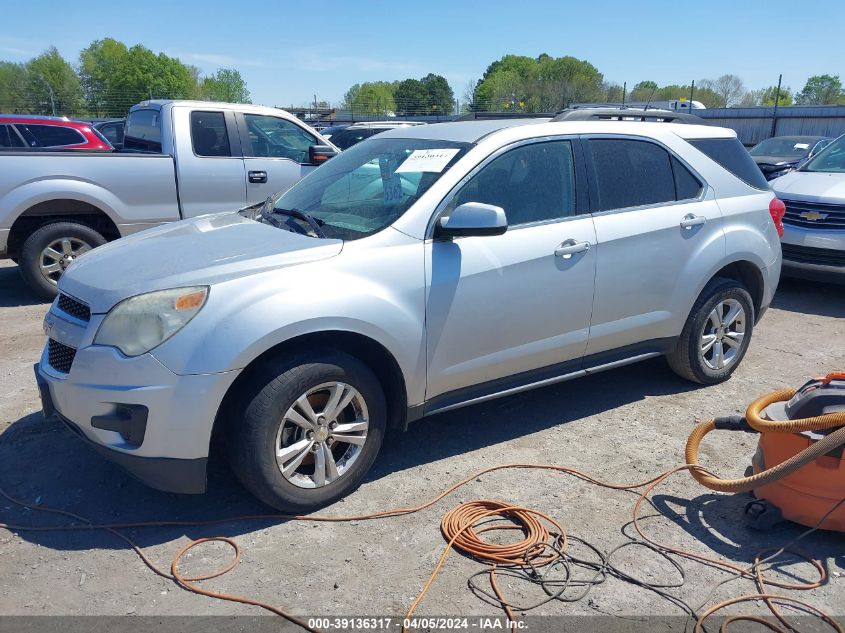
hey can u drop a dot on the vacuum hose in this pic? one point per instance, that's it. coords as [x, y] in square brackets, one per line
[761, 425]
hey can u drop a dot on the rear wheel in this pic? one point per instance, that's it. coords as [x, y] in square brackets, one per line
[310, 430]
[716, 334]
[48, 252]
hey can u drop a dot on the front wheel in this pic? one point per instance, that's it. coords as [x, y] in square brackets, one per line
[716, 334]
[310, 431]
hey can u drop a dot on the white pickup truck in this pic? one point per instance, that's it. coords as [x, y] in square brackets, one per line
[180, 159]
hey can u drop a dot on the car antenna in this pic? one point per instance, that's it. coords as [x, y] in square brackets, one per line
[648, 103]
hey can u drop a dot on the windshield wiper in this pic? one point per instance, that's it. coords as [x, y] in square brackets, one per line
[267, 212]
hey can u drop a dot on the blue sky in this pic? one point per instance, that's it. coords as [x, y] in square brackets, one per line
[289, 51]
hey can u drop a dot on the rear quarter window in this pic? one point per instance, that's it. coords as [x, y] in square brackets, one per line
[143, 131]
[55, 135]
[731, 155]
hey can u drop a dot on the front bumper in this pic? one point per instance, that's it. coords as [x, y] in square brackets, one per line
[814, 253]
[135, 411]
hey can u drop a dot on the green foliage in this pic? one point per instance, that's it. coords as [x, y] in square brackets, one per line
[52, 84]
[821, 90]
[13, 88]
[645, 90]
[409, 97]
[370, 97]
[767, 96]
[440, 98]
[544, 84]
[225, 85]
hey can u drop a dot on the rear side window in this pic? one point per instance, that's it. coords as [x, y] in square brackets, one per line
[631, 173]
[143, 131]
[208, 134]
[347, 138]
[687, 186]
[731, 155]
[54, 135]
[9, 138]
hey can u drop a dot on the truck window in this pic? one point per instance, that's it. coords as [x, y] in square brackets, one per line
[9, 138]
[143, 131]
[274, 137]
[208, 134]
[54, 135]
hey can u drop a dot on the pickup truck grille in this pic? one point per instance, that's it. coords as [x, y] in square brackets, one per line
[815, 215]
[74, 308]
[818, 256]
[60, 356]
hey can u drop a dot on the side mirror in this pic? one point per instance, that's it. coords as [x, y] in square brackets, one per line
[472, 218]
[319, 154]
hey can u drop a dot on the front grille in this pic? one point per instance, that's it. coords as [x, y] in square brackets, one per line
[818, 256]
[74, 308]
[828, 216]
[60, 356]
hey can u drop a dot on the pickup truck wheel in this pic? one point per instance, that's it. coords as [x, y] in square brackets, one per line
[310, 430]
[50, 250]
[716, 334]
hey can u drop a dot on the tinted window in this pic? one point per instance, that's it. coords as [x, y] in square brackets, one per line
[831, 158]
[347, 138]
[8, 137]
[631, 173]
[273, 137]
[208, 134]
[531, 183]
[143, 131]
[687, 186]
[731, 155]
[54, 135]
[113, 132]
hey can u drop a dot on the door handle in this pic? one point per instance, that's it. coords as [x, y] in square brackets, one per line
[690, 220]
[257, 176]
[570, 247]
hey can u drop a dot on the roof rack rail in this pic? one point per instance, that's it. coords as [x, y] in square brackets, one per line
[628, 114]
[486, 116]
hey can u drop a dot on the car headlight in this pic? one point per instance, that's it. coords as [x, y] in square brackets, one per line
[138, 324]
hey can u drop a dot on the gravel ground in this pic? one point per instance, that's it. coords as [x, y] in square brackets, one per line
[623, 425]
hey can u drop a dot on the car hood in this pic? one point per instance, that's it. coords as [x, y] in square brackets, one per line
[779, 161]
[201, 251]
[811, 186]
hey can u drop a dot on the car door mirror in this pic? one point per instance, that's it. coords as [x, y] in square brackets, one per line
[472, 218]
[319, 154]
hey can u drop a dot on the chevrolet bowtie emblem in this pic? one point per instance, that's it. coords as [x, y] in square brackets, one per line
[813, 215]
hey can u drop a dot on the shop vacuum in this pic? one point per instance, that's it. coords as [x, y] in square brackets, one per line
[798, 471]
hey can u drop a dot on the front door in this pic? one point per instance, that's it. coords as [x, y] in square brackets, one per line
[515, 307]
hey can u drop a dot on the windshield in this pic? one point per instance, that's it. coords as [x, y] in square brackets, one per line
[786, 147]
[831, 158]
[369, 186]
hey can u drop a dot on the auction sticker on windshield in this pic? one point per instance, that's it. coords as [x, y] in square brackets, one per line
[427, 160]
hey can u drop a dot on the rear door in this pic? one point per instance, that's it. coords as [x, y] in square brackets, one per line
[275, 153]
[210, 166]
[659, 230]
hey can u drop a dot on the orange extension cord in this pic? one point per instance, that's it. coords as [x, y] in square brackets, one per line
[460, 527]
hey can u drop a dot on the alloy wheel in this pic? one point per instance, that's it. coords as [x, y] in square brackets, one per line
[723, 334]
[58, 255]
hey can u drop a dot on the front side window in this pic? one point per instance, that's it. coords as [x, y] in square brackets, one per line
[532, 183]
[273, 137]
[831, 158]
[208, 134]
[369, 186]
[631, 173]
[54, 135]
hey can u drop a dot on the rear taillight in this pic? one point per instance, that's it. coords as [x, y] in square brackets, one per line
[778, 209]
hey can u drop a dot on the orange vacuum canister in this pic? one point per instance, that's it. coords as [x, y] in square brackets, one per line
[808, 494]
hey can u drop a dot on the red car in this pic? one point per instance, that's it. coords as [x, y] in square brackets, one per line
[26, 130]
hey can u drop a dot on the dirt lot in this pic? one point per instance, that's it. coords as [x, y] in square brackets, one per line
[622, 425]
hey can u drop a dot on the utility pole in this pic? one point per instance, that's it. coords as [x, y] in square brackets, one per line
[624, 92]
[691, 93]
[775, 111]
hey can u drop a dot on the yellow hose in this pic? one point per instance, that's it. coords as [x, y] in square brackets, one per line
[754, 419]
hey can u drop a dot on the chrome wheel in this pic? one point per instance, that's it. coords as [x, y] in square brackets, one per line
[724, 332]
[321, 435]
[58, 255]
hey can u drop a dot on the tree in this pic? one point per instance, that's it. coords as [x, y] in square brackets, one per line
[440, 98]
[53, 85]
[225, 85]
[821, 90]
[13, 93]
[767, 96]
[412, 98]
[370, 97]
[643, 91]
[729, 87]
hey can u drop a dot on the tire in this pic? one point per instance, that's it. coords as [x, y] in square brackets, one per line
[259, 428]
[74, 237]
[691, 359]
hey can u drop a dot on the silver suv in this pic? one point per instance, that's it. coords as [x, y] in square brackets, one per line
[426, 269]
